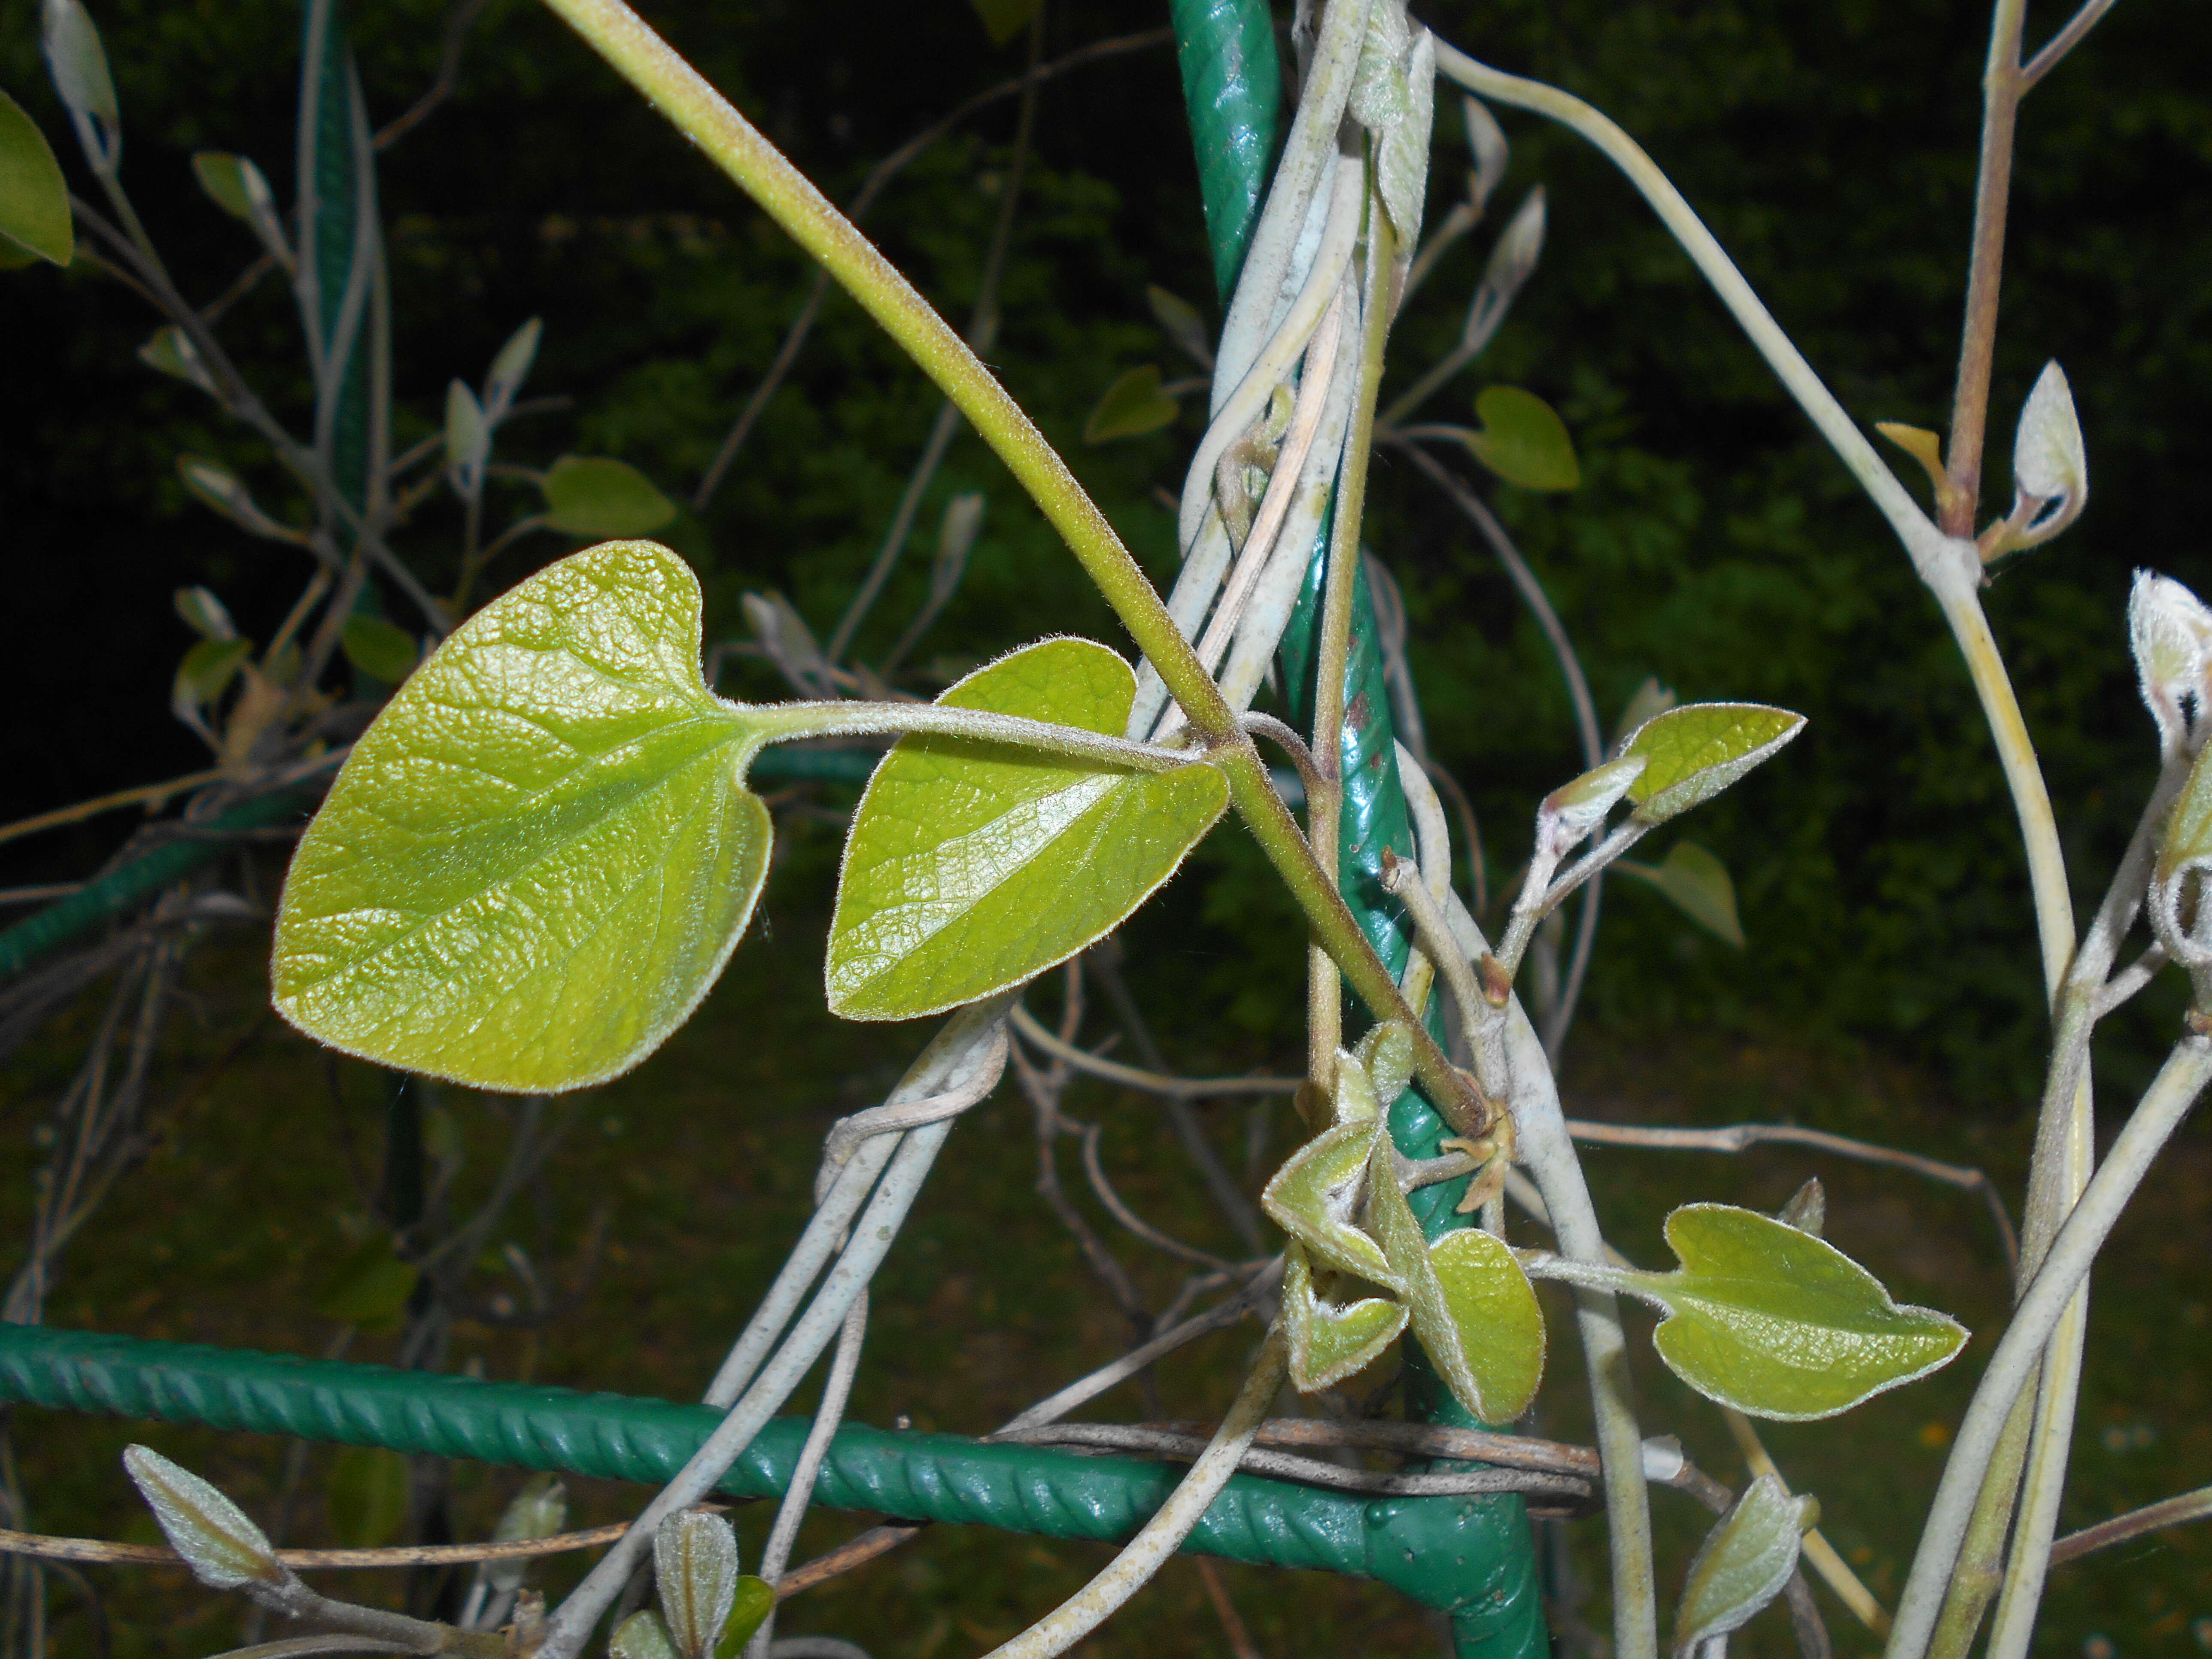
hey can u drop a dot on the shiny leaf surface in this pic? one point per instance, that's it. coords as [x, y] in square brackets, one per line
[972, 865]
[1778, 1323]
[1696, 750]
[540, 854]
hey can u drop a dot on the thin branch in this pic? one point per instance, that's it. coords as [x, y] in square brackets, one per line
[1095, 1170]
[1740, 1137]
[1432, 1440]
[2063, 42]
[449, 68]
[854, 1553]
[2136, 1523]
[1154, 1082]
[151, 795]
[99, 1551]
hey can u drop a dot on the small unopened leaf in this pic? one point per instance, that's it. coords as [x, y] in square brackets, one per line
[34, 210]
[232, 182]
[172, 352]
[538, 1510]
[1329, 1340]
[1381, 93]
[1743, 1564]
[1576, 808]
[541, 853]
[2170, 633]
[1698, 884]
[2048, 460]
[220, 487]
[1523, 440]
[1486, 140]
[642, 1636]
[1471, 1304]
[368, 1496]
[1697, 751]
[509, 370]
[1183, 324]
[379, 650]
[1005, 19]
[749, 1610]
[78, 60]
[594, 496]
[789, 642]
[1777, 1323]
[694, 1567]
[1315, 1194]
[1511, 263]
[468, 439]
[205, 614]
[1386, 1054]
[1807, 1208]
[1132, 406]
[371, 1288]
[972, 865]
[223, 1547]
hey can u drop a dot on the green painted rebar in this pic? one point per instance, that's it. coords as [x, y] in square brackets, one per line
[1446, 1553]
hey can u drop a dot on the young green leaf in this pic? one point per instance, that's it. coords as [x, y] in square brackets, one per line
[1132, 406]
[593, 495]
[642, 1636]
[1401, 154]
[1386, 1054]
[468, 439]
[1696, 750]
[206, 670]
[1523, 440]
[1698, 885]
[368, 1497]
[694, 1567]
[2048, 460]
[78, 62]
[1743, 1564]
[223, 1547]
[379, 650]
[1315, 1194]
[1472, 1306]
[1331, 1341]
[1777, 1323]
[1381, 95]
[971, 865]
[170, 351]
[1485, 142]
[1005, 19]
[749, 1606]
[541, 853]
[1182, 323]
[34, 210]
[1646, 703]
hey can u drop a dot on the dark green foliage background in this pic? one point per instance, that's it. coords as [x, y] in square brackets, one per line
[1714, 543]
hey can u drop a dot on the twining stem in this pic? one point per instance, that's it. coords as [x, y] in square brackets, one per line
[2170, 1094]
[732, 142]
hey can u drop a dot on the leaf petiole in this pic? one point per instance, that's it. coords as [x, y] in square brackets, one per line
[784, 722]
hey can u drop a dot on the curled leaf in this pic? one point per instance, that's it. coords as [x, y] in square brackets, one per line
[972, 865]
[1575, 808]
[1331, 1340]
[223, 1547]
[1382, 93]
[2170, 633]
[1314, 1196]
[1743, 1564]
[1401, 156]
[755, 1599]
[1698, 749]
[541, 853]
[1775, 1322]
[1132, 406]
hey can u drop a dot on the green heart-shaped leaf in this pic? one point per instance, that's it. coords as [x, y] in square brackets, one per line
[1523, 440]
[1775, 1322]
[748, 1610]
[1328, 1341]
[593, 495]
[972, 866]
[34, 210]
[1743, 1564]
[1132, 406]
[1694, 752]
[1313, 1196]
[1472, 1306]
[539, 855]
[1698, 885]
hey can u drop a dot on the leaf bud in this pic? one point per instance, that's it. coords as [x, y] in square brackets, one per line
[2170, 632]
[1743, 1564]
[222, 1547]
[78, 64]
[539, 1510]
[695, 1565]
[1573, 810]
